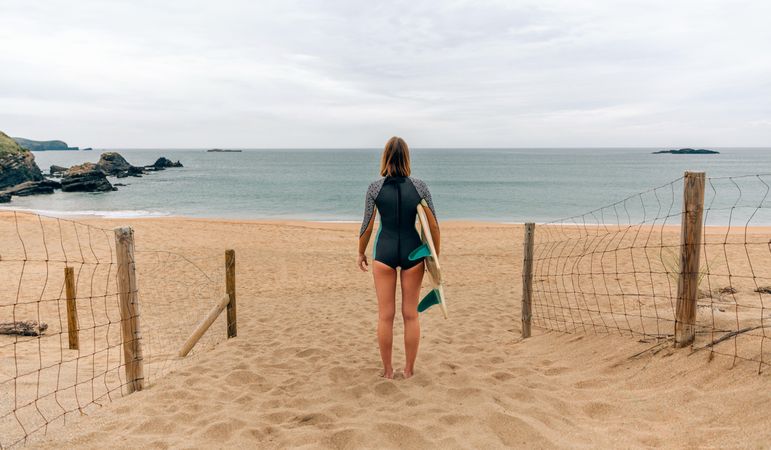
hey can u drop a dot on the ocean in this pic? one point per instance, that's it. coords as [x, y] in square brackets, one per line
[504, 185]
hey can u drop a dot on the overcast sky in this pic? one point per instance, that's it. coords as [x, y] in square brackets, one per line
[251, 73]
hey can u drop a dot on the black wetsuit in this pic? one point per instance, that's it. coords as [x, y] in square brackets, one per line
[396, 199]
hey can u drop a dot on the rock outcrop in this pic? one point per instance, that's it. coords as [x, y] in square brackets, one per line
[112, 163]
[33, 188]
[163, 163]
[17, 165]
[57, 170]
[87, 177]
[5, 198]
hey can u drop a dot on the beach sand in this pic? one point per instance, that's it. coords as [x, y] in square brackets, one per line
[304, 369]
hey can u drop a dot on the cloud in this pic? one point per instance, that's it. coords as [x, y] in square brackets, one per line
[350, 74]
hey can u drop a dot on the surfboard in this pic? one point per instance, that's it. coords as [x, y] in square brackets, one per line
[427, 250]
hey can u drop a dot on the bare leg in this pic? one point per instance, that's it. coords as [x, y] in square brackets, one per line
[385, 287]
[410, 281]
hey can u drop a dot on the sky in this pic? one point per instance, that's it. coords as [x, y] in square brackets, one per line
[339, 74]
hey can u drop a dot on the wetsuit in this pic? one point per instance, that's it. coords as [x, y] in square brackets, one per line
[396, 199]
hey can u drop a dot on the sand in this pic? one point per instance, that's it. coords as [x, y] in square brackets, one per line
[304, 369]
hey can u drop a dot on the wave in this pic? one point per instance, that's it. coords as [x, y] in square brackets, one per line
[123, 214]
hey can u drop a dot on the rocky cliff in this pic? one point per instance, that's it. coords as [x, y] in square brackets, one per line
[17, 165]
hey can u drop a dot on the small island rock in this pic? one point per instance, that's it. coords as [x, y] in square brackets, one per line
[164, 162]
[688, 151]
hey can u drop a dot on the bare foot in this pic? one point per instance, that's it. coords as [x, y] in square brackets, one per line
[407, 373]
[388, 374]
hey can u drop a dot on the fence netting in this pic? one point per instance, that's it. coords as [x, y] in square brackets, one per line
[614, 270]
[43, 382]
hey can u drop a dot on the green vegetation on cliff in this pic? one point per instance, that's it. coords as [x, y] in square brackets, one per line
[17, 165]
[8, 146]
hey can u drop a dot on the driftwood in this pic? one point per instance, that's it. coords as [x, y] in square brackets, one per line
[23, 328]
[730, 335]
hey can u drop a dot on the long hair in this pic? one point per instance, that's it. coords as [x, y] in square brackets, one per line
[396, 158]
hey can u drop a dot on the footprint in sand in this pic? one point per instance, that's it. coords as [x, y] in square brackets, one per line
[386, 389]
[311, 419]
[155, 426]
[243, 377]
[340, 374]
[455, 419]
[349, 438]
[598, 410]
[515, 432]
[222, 431]
[588, 384]
[502, 376]
[402, 436]
[555, 371]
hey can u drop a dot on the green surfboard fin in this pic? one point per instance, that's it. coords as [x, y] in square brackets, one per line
[431, 299]
[419, 252]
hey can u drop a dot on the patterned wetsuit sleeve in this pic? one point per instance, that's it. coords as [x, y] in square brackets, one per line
[369, 204]
[425, 194]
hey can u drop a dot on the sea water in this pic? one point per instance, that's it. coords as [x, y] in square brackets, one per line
[507, 185]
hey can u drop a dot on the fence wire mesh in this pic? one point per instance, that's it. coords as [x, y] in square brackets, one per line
[45, 383]
[615, 269]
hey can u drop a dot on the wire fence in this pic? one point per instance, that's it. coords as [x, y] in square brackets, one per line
[617, 269]
[61, 342]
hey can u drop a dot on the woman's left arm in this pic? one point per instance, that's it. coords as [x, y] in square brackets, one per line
[361, 260]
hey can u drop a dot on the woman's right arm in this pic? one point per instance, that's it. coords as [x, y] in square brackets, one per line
[433, 225]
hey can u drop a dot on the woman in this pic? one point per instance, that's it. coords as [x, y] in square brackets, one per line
[396, 197]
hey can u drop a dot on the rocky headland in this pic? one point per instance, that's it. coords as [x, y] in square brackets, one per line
[42, 146]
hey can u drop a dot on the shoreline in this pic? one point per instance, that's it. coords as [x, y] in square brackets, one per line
[674, 226]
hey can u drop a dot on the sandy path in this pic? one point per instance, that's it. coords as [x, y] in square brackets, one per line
[304, 370]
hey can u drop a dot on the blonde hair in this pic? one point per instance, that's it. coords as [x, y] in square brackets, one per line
[396, 158]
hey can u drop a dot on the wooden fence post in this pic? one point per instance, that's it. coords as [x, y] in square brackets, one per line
[690, 249]
[527, 279]
[72, 310]
[129, 308]
[230, 289]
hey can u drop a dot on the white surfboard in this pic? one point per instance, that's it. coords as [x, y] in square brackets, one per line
[432, 260]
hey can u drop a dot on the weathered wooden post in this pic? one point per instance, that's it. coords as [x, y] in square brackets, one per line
[690, 249]
[129, 308]
[200, 330]
[230, 289]
[72, 310]
[527, 279]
